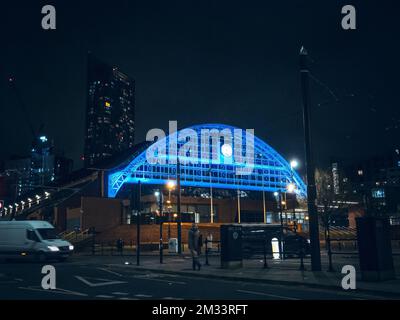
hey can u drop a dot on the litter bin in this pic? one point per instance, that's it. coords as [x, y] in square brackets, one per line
[374, 248]
[231, 246]
[173, 245]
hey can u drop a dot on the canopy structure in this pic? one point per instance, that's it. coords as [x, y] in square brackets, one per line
[214, 155]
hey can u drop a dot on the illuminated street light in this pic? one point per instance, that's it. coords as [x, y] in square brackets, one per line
[291, 187]
[157, 194]
[276, 193]
[171, 184]
[294, 164]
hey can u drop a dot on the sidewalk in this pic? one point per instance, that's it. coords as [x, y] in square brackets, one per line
[278, 272]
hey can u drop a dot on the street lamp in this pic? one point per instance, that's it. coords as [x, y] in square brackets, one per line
[170, 186]
[294, 164]
[211, 200]
[310, 167]
[291, 188]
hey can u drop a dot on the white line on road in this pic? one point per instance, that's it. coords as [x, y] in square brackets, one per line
[159, 280]
[58, 290]
[104, 296]
[171, 298]
[112, 272]
[103, 282]
[120, 293]
[267, 294]
[143, 295]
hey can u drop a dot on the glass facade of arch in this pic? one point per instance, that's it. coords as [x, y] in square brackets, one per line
[210, 154]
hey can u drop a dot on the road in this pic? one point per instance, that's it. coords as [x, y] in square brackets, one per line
[83, 278]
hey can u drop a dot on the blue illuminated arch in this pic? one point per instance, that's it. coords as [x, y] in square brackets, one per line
[271, 171]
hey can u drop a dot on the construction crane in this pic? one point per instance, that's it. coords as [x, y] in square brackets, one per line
[22, 106]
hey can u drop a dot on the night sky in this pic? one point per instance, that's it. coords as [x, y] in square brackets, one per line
[208, 61]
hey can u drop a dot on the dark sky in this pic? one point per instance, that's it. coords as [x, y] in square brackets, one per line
[208, 61]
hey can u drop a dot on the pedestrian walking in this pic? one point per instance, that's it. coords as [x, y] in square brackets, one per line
[193, 239]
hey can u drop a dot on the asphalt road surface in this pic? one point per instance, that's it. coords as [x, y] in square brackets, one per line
[83, 278]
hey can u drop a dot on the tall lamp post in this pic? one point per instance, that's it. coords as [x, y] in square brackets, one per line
[211, 200]
[179, 227]
[291, 189]
[310, 168]
[170, 186]
[278, 196]
[138, 205]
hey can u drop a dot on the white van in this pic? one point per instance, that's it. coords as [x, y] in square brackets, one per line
[32, 239]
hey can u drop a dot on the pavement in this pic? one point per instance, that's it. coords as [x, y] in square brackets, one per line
[284, 272]
[118, 278]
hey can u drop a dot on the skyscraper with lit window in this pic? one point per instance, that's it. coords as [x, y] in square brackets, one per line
[110, 113]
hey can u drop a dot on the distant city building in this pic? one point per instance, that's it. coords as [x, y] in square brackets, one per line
[42, 162]
[374, 182]
[22, 174]
[110, 114]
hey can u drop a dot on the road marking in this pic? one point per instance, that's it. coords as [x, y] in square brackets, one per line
[143, 295]
[171, 298]
[267, 294]
[146, 277]
[103, 282]
[58, 290]
[110, 271]
[104, 296]
[125, 298]
[120, 293]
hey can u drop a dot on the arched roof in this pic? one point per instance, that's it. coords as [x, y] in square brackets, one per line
[268, 171]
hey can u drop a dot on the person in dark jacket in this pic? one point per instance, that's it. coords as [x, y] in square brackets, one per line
[193, 239]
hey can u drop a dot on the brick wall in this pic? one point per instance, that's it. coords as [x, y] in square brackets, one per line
[101, 213]
[151, 233]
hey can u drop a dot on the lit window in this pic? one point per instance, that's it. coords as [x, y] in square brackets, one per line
[360, 172]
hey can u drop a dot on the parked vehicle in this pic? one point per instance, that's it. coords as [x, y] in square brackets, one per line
[32, 239]
[255, 235]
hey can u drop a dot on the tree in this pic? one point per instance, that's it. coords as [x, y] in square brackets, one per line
[328, 202]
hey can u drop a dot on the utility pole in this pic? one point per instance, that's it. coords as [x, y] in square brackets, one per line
[139, 198]
[310, 167]
[179, 222]
[160, 204]
[211, 201]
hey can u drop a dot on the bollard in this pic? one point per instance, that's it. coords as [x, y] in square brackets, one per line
[302, 268]
[93, 245]
[330, 268]
[161, 242]
[161, 251]
[206, 242]
[265, 255]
